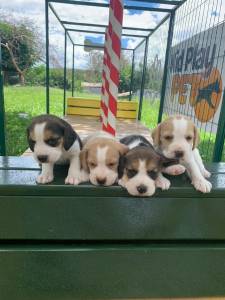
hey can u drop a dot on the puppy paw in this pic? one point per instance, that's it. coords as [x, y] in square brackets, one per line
[162, 182]
[175, 170]
[206, 173]
[44, 178]
[120, 182]
[72, 179]
[202, 185]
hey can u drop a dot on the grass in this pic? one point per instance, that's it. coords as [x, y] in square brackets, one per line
[23, 103]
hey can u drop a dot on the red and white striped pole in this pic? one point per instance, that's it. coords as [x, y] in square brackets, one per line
[111, 67]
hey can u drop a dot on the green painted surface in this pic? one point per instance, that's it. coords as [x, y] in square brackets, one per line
[86, 242]
[111, 272]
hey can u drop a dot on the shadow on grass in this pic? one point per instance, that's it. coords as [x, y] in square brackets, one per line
[16, 140]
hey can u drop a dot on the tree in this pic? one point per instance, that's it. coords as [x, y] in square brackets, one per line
[21, 47]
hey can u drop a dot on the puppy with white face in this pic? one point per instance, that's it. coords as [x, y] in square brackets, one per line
[140, 168]
[53, 141]
[100, 159]
[178, 137]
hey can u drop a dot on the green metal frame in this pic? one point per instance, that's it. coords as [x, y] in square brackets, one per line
[65, 23]
[2, 111]
[143, 79]
[169, 43]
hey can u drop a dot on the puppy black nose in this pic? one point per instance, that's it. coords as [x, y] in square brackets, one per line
[42, 158]
[179, 154]
[101, 181]
[142, 189]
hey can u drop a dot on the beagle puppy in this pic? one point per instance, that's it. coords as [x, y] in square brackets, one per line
[53, 141]
[178, 137]
[100, 158]
[140, 169]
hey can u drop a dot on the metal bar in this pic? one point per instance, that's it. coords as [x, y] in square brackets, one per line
[130, 7]
[138, 45]
[171, 2]
[58, 18]
[169, 43]
[47, 56]
[101, 32]
[220, 136]
[143, 79]
[99, 47]
[73, 73]
[64, 90]
[132, 77]
[103, 26]
[2, 110]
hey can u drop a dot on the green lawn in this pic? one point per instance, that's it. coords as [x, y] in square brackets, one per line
[21, 104]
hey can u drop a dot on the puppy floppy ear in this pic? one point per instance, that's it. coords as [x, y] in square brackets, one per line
[156, 135]
[166, 162]
[123, 149]
[69, 136]
[121, 166]
[196, 137]
[83, 159]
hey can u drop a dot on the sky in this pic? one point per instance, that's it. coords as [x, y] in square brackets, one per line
[198, 14]
[34, 10]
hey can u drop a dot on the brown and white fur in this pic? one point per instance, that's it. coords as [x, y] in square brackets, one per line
[100, 158]
[178, 137]
[53, 141]
[140, 169]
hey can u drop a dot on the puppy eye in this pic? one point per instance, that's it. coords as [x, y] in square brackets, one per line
[52, 142]
[131, 173]
[110, 165]
[92, 165]
[152, 174]
[168, 137]
[189, 137]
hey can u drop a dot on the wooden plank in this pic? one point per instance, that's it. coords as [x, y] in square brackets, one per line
[53, 272]
[83, 111]
[126, 114]
[94, 103]
[127, 105]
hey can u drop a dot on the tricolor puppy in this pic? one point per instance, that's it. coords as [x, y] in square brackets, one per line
[140, 169]
[178, 137]
[53, 141]
[100, 158]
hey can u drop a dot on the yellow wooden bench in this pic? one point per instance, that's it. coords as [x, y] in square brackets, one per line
[91, 107]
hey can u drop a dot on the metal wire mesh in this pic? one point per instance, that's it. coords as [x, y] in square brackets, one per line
[196, 71]
[138, 70]
[154, 75]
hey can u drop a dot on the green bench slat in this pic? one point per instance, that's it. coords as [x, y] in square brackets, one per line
[111, 272]
[85, 212]
[111, 218]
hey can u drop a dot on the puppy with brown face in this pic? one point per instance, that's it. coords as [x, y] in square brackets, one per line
[140, 168]
[178, 137]
[100, 158]
[53, 141]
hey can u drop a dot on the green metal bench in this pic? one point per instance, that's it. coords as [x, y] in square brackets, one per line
[65, 242]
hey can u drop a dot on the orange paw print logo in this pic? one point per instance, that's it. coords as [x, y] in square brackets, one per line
[205, 93]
